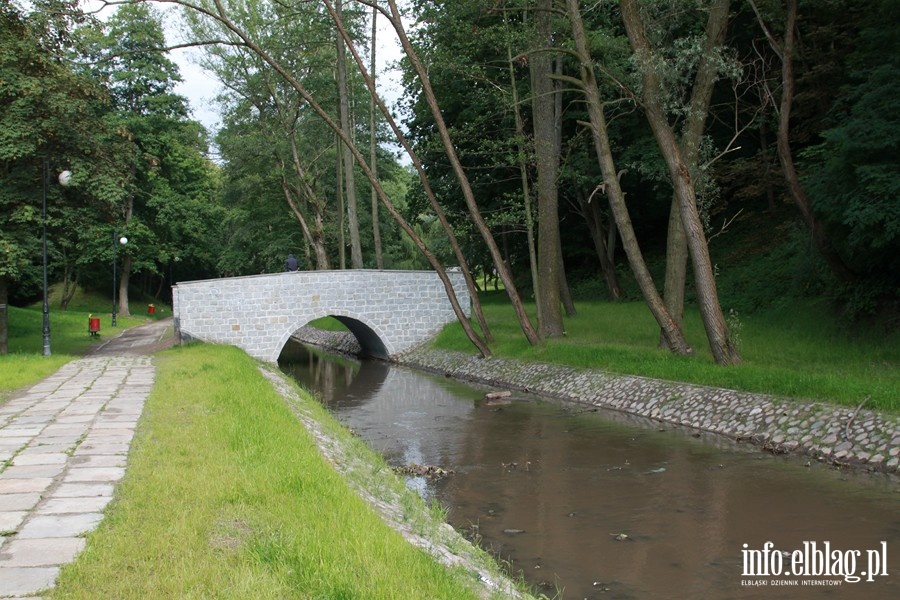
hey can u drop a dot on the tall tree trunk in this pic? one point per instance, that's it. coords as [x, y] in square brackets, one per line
[826, 249]
[420, 169]
[474, 213]
[590, 209]
[70, 284]
[342, 217]
[676, 243]
[764, 154]
[313, 237]
[550, 322]
[523, 176]
[4, 315]
[565, 293]
[373, 150]
[356, 261]
[125, 274]
[316, 234]
[723, 350]
[124, 278]
[674, 336]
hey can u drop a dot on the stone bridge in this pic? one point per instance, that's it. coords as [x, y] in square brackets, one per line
[387, 311]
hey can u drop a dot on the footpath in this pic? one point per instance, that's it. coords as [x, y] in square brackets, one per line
[63, 447]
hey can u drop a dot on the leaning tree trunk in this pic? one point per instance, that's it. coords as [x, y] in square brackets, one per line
[671, 330]
[420, 169]
[474, 213]
[676, 243]
[721, 345]
[590, 209]
[315, 234]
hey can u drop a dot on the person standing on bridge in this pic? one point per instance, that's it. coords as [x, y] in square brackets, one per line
[291, 263]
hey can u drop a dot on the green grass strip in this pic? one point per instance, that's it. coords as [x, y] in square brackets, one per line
[795, 351]
[227, 496]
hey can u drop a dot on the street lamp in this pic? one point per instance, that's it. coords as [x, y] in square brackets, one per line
[121, 240]
[64, 179]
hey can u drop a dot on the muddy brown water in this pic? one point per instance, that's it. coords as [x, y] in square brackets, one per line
[592, 504]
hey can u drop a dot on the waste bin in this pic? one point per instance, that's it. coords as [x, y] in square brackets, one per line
[151, 310]
[93, 325]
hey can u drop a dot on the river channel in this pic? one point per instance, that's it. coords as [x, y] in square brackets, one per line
[591, 504]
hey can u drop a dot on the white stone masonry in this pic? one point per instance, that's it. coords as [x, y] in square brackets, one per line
[388, 311]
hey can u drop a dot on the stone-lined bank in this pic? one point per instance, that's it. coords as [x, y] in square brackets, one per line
[835, 434]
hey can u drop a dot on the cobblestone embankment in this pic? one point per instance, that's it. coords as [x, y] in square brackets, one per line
[829, 433]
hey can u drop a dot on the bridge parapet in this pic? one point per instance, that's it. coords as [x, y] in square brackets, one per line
[388, 311]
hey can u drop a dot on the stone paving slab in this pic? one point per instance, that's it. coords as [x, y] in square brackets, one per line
[83, 490]
[41, 552]
[63, 448]
[57, 526]
[21, 581]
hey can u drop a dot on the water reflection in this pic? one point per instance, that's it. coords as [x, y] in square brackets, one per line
[552, 488]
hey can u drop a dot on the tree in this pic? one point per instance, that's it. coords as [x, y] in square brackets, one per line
[48, 112]
[349, 177]
[373, 145]
[543, 99]
[587, 83]
[723, 348]
[141, 81]
[786, 50]
[168, 205]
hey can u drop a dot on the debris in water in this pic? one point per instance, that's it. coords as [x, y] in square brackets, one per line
[621, 537]
[415, 470]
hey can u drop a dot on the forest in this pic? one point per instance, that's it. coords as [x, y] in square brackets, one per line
[728, 155]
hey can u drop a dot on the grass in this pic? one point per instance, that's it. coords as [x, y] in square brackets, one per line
[25, 363]
[227, 496]
[793, 352]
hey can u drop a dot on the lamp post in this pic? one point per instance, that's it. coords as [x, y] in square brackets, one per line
[64, 179]
[121, 240]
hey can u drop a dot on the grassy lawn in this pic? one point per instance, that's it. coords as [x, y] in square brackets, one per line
[227, 496]
[25, 364]
[796, 351]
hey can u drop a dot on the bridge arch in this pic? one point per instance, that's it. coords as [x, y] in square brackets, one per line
[366, 332]
[387, 311]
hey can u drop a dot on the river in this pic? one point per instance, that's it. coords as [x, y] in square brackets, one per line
[585, 503]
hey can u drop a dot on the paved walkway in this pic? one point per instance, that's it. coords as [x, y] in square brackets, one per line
[63, 447]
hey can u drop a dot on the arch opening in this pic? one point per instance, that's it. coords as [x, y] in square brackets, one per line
[370, 342]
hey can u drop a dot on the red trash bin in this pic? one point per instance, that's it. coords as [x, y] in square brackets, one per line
[93, 325]
[151, 309]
